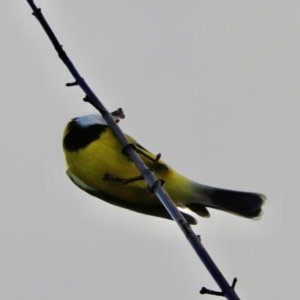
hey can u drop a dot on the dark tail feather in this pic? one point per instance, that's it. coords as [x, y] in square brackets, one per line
[245, 204]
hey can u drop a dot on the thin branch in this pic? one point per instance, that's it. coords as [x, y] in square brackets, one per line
[155, 184]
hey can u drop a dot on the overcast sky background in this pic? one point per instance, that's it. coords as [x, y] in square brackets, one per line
[212, 85]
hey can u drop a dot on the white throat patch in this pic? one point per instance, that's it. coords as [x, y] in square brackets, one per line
[88, 120]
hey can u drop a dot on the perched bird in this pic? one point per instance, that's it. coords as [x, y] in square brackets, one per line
[97, 165]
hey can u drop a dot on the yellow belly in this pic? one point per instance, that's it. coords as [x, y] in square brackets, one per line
[104, 155]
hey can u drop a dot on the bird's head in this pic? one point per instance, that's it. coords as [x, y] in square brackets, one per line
[82, 131]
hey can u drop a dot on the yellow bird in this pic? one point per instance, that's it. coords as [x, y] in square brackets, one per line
[97, 165]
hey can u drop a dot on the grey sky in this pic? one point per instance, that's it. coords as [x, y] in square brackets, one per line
[212, 85]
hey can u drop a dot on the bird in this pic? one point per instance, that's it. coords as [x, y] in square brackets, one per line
[96, 164]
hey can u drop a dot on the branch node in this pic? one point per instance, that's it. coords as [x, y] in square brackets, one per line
[210, 292]
[72, 83]
[118, 115]
[89, 99]
[204, 290]
[234, 283]
[39, 11]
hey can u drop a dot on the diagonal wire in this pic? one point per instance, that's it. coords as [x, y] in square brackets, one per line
[149, 177]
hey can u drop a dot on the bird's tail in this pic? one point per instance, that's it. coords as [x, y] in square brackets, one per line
[244, 204]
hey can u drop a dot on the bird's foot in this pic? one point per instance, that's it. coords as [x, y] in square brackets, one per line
[139, 151]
